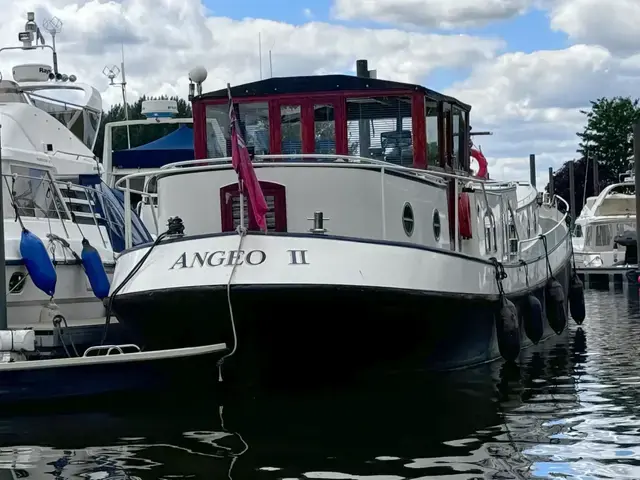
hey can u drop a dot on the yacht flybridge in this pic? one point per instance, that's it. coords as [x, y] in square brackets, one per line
[380, 243]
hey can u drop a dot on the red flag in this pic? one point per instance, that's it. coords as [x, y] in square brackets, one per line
[241, 161]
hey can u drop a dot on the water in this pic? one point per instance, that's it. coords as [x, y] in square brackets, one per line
[570, 411]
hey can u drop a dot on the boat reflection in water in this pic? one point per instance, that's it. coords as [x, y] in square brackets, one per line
[400, 425]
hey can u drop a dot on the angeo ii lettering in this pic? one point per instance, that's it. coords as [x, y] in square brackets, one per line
[220, 258]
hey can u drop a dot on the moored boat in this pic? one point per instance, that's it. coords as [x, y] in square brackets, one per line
[380, 242]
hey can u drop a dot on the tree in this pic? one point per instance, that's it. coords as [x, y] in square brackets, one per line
[139, 135]
[607, 137]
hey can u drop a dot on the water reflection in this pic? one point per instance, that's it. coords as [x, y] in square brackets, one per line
[568, 411]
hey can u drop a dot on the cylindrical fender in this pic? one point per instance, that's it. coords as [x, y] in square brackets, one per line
[555, 306]
[508, 330]
[576, 299]
[532, 317]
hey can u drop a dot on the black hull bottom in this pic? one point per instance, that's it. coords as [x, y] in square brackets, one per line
[303, 332]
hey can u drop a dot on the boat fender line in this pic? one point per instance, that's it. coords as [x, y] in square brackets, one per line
[554, 297]
[464, 216]
[483, 165]
[507, 323]
[532, 313]
[38, 263]
[175, 228]
[576, 293]
[57, 328]
[242, 232]
[94, 269]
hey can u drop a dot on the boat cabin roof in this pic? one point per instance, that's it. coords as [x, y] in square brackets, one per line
[325, 84]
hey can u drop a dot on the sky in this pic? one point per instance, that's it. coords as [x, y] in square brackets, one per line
[527, 67]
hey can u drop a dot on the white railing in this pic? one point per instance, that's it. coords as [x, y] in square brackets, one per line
[554, 201]
[488, 187]
[58, 205]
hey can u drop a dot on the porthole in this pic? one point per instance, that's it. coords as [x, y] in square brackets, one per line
[408, 221]
[16, 282]
[437, 228]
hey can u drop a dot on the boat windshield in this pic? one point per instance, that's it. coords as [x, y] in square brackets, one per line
[77, 107]
[10, 92]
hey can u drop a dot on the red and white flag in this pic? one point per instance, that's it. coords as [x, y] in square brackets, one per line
[241, 161]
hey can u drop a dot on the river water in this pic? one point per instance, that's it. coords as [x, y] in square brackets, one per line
[570, 411]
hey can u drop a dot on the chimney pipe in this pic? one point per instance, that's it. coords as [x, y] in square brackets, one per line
[362, 68]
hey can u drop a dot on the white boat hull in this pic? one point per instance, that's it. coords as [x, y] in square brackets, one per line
[346, 300]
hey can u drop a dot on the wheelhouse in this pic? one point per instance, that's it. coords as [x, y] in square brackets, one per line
[401, 123]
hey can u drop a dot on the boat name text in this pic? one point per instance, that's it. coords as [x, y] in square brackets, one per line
[233, 257]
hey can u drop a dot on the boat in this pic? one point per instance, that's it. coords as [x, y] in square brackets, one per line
[101, 370]
[605, 219]
[176, 146]
[380, 244]
[55, 201]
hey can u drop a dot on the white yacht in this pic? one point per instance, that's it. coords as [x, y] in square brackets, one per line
[602, 219]
[52, 191]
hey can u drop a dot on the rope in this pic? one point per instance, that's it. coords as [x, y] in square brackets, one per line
[546, 256]
[500, 274]
[526, 272]
[242, 231]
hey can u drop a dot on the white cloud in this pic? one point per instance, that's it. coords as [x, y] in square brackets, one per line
[431, 13]
[532, 103]
[307, 13]
[163, 39]
[613, 24]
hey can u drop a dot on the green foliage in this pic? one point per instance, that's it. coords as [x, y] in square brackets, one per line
[139, 135]
[607, 137]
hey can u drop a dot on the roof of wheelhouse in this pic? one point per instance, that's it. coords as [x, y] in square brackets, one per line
[324, 83]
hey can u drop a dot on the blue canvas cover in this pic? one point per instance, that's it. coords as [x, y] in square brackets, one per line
[174, 147]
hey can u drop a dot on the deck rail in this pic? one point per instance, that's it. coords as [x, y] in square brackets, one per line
[43, 199]
[438, 178]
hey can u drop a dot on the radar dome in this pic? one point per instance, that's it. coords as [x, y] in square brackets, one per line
[198, 74]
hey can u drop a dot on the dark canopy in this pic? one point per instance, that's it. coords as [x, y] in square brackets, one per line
[174, 147]
[324, 83]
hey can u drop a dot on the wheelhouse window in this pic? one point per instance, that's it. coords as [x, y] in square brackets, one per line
[274, 194]
[254, 123]
[380, 128]
[34, 194]
[291, 129]
[325, 129]
[433, 152]
[459, 132]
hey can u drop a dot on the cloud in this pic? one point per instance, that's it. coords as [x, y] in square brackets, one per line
[613, 26]
[431, 13]
[164, 39]
[307, 13]
[533, 101]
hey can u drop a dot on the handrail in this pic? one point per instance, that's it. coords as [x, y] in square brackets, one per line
[59, 200]
[487, 187]
[207, 165]
[560, 222]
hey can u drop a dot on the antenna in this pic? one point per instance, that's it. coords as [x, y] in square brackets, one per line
[270, 66]
[260, 52]
[54, 26]
[32, 32]
[112, 72]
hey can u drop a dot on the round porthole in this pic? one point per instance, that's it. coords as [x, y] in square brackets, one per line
[437, 229]
[407, 219]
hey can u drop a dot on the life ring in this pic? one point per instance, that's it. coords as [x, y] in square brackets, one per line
[464, 216]
[483, 170]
